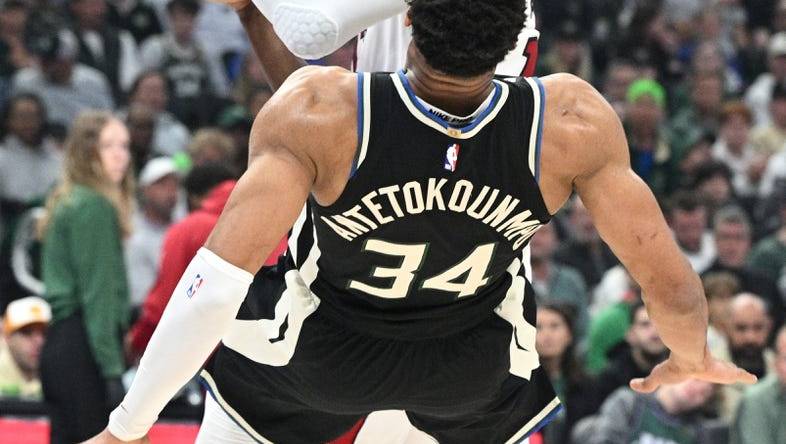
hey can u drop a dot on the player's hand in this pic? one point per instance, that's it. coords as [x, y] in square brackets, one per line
[237, 5]
[675, 370]
[107, 438]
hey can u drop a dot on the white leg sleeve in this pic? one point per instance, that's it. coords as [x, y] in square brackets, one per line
[312, 29]
[201, 310]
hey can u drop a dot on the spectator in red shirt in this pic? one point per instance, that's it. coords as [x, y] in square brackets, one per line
[208, 187]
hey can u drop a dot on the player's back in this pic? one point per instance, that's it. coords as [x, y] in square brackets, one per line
[426, 238]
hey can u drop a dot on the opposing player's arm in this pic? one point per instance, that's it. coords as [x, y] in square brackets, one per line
[312, 29]
[591, 151]
[278, 62]
[314, 109]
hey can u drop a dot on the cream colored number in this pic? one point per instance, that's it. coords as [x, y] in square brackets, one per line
[473, 267]
[412, 257]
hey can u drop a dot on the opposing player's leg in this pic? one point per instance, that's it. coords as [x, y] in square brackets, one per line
[312, 29]
[391, 427]
[218, 428]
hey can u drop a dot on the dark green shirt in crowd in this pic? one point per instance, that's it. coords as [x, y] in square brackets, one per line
[84, 272]
[769, 257]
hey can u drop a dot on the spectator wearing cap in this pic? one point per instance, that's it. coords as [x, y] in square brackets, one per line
[102, 46]
[770, 137]
[159, 184]
[759, 94]
[569, 53]
[759, 419]
[66, 87]
[735, 150]
[24, 331]
[182, 60]
[151, 91]
[208, 186]
[650, 150]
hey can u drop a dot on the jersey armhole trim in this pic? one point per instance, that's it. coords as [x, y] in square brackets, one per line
[536, 133]
[364, 121]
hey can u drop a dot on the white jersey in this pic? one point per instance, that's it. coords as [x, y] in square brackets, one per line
[383, 47]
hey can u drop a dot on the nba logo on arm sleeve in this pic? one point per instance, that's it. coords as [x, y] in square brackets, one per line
[451, 157]
[195, 284]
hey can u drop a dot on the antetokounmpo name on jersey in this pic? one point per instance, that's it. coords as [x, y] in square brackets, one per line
[485, 204]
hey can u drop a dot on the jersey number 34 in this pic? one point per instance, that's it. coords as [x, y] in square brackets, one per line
[473, 269]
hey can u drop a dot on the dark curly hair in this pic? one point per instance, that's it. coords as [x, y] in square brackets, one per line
[466, 38]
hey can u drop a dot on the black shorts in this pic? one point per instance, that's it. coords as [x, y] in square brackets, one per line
[309, 377]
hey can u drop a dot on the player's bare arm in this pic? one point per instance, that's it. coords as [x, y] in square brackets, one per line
[302, 142]
[585, 150]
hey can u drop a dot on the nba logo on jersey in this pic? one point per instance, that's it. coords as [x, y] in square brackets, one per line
[198, 281]
[451, 157]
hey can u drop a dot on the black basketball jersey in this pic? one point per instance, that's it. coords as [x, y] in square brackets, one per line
[428, 233]
[411, 293]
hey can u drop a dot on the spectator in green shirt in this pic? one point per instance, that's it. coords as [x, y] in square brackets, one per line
[760, 417]
[84, 274]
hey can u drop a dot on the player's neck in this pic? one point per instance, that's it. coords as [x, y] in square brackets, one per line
[459, 96]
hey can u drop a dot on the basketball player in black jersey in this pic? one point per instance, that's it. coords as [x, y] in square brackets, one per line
[411, 195]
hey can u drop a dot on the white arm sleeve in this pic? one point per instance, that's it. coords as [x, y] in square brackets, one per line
[312, 29]
[201, 310]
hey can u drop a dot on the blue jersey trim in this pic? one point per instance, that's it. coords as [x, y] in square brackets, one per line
[442, 122]
[361, 113]
[539, 140]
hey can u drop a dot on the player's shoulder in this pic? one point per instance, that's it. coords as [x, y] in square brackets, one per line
[575, 100]
[581, 129]
[314, 103]
[318, 86]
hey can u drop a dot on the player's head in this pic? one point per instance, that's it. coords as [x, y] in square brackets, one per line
[466, 38]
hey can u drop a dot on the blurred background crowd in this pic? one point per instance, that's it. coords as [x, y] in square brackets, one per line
[94, 237]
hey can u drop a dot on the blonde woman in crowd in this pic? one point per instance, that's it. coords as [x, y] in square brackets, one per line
[88, 216]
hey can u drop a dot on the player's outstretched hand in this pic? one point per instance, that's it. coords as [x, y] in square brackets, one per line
[673, 371]
[107, 438]
[237, 5]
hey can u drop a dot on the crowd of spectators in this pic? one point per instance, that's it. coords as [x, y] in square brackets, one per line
[699, 85]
